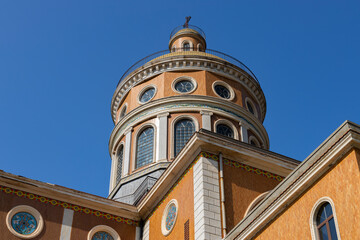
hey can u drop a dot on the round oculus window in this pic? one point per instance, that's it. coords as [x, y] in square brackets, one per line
[147, 95]
[102, 236]
[24, 223]
[222, 91]
[169, 217]
[184, 86]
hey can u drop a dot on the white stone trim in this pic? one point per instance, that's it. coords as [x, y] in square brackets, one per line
[226, 85]
[244, 132]
[164, 231]
[103, 228]
[206, 119]
[229, 124]
[255, 202]
[186, 78]
[177, 63]
[152, 124]
[127, 151]
[30, 210]
[314, 211]
[124, 107]
[145, 89]
[172, 133]
[206, 199]
[252, 138]
[189, 42]
[162, 137]
[249, 101]
[199, 47]
[66, 226]
[146, 230]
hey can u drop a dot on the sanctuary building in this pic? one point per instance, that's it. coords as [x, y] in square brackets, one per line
[190, 160]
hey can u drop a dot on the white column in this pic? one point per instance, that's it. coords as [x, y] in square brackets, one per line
[244, 132]
[207, 200]
[126, 160]
[65, 232]
[206, 119]
[146, 230]
[162, 137]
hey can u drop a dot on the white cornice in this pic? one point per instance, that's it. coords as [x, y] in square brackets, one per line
[186, 63]
[153, 108]
[69, 195]
[345, 138]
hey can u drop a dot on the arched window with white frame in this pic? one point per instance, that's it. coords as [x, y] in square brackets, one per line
[323, 222]
[145, 147]
[119, 163]
[184, 129]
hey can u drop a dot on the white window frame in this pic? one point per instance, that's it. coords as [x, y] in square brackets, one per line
[189, 42]
[248, 100]
[172, 134]
[224, 84]
[229, 124]
[164, 231]
[313, 214]
[143, 90]
[253, 138]
[145, 125]
[32, 211]
[103, 228]
[186, 78]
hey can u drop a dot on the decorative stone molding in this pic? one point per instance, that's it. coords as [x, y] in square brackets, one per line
[28, 210]
[164, 230]
[186, 63]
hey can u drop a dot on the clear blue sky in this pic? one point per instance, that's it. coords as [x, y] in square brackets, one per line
[60, 62]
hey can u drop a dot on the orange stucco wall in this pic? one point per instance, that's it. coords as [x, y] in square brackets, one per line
[241, 188]
[184, 194]
[341, 184]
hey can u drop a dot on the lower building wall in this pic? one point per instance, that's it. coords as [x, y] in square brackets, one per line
[184, 194]
[242, 186]
[60, 221]
[341, 185]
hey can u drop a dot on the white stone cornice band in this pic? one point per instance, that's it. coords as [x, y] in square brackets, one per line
[186, 63]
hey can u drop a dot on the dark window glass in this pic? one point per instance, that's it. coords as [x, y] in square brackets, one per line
[123, 112]
[252, 142]
[145, 147]
[249, 106]
[224, 130]
[183, 131]
[102, 236]
[186, 47]
[325, 223]
[184, 86]
[222, 91]
[147, 95]
[119, 164]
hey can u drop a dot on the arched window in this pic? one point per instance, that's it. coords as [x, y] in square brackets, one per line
[184, 129]
[145, 147]
[224, 130]
[325, 222]
[186, 46]
[120, 157]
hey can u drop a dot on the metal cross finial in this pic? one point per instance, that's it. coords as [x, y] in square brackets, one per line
[186, 25]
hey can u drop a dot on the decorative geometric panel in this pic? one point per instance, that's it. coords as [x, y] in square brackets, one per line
[102, 236]
[224, 130]
[145, 147]
[184, 86]
[119, 164]
[184, 129]
[24, 223]
[222, 91]
[147, 95]
[170, 217]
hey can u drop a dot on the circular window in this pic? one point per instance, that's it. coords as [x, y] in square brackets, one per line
[24, 222]
[223, 90]
[102, 232]
[147, 94]
[123, 112]
[169, 217]
[102, 236]
[224, 130]
[184, 86]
